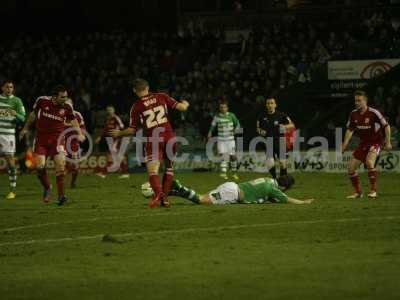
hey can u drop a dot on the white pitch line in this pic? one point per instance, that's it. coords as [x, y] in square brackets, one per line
[196, 229]
[10, 229]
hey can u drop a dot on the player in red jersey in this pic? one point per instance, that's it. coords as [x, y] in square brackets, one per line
[152, 111]
[113, 122]
[50, 115]
[72, 146]
[374, 131]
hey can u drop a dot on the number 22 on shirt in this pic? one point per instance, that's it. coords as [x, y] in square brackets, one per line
[155, 116]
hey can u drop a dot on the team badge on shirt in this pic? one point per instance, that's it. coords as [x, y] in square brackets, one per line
[62, 112]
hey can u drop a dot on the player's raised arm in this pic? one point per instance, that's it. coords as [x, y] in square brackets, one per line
[182, 106]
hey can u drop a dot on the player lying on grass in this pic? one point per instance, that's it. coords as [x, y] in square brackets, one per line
[257, 191]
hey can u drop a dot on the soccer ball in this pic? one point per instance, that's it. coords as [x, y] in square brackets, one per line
[147, 191]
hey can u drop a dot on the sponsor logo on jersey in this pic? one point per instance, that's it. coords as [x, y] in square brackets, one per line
[362, 127]
[50, 116]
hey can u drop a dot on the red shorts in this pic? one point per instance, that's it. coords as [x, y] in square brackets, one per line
[73, 150]
[48, 146]
[165, 148]
[362, 151]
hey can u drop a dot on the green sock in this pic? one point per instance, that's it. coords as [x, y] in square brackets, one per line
[12, 177]
[187, 193]
[178, 189]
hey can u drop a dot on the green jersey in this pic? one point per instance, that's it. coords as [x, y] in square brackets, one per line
[262, 190]
[7, 120]
[226, 125]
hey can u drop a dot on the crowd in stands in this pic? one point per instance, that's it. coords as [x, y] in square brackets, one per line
[195, 63]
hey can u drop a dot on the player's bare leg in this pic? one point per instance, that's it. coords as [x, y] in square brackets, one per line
[355, 178]
[59, 162]
[372, 172]
[152, 169]
[233, 166]
[12, 175]
[73, 169]
[40, 162]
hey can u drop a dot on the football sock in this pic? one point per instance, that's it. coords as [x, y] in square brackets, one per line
[355, 181]
[224, 166]
[154, 180]
[283, 172]
[124, 167]
[43, 178]
[372, 175]
[167, 181]
[60, 184]
[234, 165]
[190, 195]
[272, 171]
[12, 177]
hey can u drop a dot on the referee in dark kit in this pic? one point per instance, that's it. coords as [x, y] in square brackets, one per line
[273, 124]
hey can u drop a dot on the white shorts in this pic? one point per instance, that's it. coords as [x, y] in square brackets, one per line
[226, 147]
[7, 144]
[227, 193]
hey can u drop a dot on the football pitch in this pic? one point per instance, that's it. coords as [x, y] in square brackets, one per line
[107, 244]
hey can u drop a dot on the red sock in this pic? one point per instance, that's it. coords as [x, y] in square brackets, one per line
[124, 167]
[154, 180]
[60, 184]
[167, 181]
[44, 179]
[355, 181]
[372, 175]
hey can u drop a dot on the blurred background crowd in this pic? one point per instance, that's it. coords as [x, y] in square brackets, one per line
[202, 62]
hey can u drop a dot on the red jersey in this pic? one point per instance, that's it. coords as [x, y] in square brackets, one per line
[51, 117]
[368, 126]
[113, 122]
[152, 112]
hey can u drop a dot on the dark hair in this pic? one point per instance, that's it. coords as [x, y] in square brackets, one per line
[286, 181]
[223, 102]
[4, 81]
[271, 97]
[58, 89]
[140, 84]
[360, 93]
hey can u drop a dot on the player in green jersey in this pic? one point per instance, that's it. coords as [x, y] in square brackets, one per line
[11, 111]
[257, 191]
[226, 125]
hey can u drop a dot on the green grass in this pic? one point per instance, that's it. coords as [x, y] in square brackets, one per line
[332, 249]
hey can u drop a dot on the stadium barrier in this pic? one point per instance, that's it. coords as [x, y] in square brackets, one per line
[307, 161]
